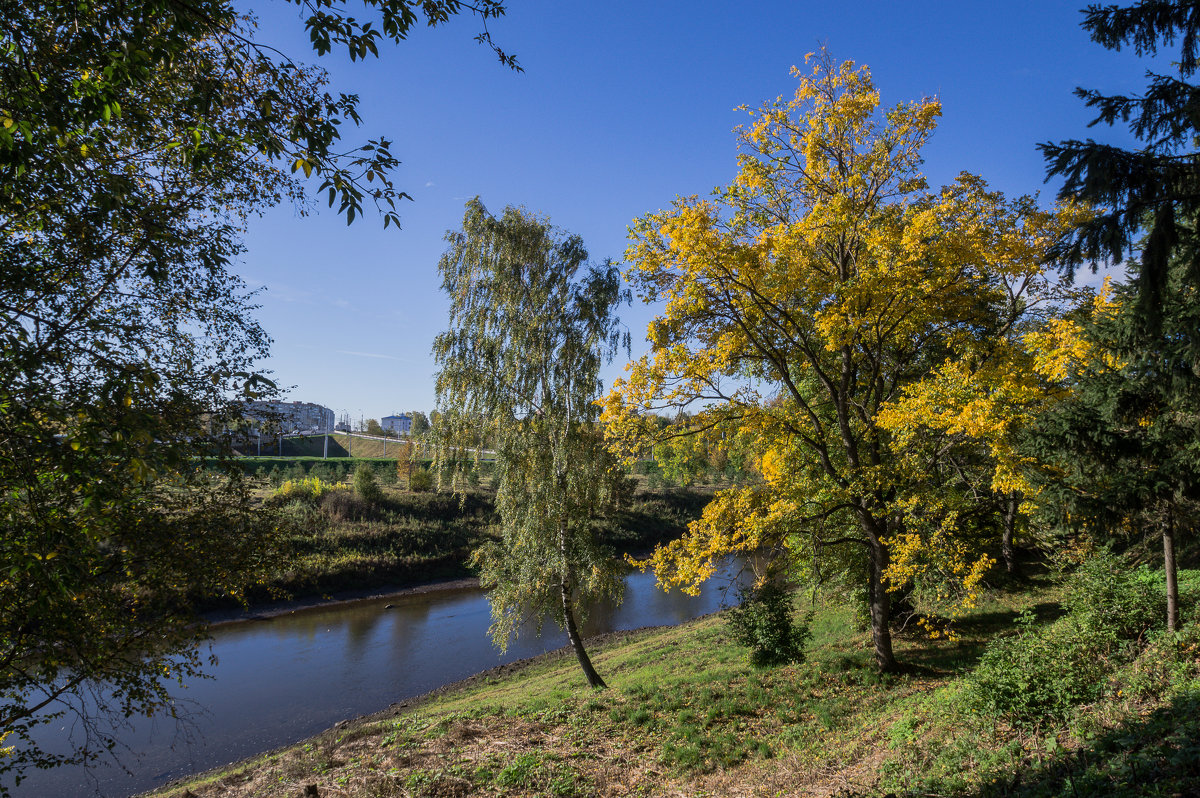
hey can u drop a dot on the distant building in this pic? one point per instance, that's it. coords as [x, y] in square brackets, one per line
[401, 424]
[291, 416]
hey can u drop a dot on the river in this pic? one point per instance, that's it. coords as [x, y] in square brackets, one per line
[280, 680]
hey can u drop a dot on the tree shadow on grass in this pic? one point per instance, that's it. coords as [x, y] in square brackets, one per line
[975, 631]
[1154, 755]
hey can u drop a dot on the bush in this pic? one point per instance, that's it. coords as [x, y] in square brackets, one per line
[307, 489]
[762, 621]
[421, 481]
[1107, 596]
[344, 505]
[1040, 675]
[365, 484]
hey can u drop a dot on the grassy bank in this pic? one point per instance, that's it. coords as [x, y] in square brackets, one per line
[340, 542]
[339, 445]
[686, 715]
[277, 469]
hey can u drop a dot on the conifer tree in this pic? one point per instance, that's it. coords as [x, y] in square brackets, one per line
[1122, 453]
[1147, 197]
[1125, 443]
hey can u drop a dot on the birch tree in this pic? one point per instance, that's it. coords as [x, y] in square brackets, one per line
[530, 325]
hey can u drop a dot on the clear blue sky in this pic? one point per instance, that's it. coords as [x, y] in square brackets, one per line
[622, 107]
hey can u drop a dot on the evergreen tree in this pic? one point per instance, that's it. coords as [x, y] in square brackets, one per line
[1122, 454]
[1145, 197]
[1125, 443]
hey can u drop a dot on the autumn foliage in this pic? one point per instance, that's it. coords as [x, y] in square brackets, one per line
[815, 304]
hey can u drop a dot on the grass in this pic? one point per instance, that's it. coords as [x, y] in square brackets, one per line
[340, 445]
[686, 714]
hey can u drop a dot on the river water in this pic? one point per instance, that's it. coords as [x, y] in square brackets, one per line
[280, 680]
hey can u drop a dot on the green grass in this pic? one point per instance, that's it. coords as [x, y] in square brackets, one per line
[683, 700]
[685, 713]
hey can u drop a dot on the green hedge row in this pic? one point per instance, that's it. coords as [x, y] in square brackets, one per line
[264, 465]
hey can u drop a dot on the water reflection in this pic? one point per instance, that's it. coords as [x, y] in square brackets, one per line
[281, 680]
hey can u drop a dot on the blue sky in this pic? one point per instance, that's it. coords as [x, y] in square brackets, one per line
[622, 107]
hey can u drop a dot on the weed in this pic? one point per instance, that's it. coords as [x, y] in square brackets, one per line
[640, 717]
[538, 771]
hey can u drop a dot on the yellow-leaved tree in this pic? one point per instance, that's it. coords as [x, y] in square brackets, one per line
[798, 302]
[962, 425]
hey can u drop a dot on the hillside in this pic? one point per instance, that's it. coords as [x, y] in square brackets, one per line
[686, 715]
[340, 445]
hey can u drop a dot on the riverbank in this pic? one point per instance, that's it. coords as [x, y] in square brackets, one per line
[686, 715]
[338, 544]
[274, 609]
[563, 656]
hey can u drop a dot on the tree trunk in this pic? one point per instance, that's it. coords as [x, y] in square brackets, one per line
[581, 654]
[1172, 580]
[585, 662]
[880, 605]
[1012, 502]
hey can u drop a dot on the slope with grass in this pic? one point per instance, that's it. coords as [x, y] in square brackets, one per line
[687, 715]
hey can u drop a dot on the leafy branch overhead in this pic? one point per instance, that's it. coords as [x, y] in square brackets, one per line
[137, 141]
[1148, 198]
[74, 75]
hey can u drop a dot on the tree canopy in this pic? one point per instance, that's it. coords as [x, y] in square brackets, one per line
[1119, 455]
[1145, 198]
[137, 140]
[530, 325]
[799, 302]
[1120, 451]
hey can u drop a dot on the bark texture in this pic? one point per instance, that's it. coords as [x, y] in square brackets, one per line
[1172, 576]
[585, 662]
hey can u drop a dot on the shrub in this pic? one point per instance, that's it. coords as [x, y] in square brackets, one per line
[421, 481]
[763, 622]
[302, 516]
[321, 471]
[344, 505]
[1107, 596]
[308, 489]
[1040, 675]
[365, 484]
